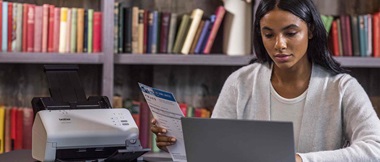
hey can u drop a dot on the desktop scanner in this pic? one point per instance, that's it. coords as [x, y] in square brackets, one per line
[69, 127]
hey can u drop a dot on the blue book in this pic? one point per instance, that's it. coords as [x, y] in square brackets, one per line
[362, 36]
[202, 37]
[208, 31]
[155, 32]
[5, 27]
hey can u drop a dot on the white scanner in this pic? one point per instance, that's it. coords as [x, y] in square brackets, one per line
[85, 134]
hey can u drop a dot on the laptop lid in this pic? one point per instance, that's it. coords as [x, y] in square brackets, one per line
[226, 140]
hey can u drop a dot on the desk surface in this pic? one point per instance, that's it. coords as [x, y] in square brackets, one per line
[26, 156]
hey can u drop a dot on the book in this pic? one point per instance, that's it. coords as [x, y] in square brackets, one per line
[182, 31]
[57, 24]
[140, 29]
[14, 27]
[74, 30]
[2, 129]
[85, 31]
[1, 24]
[340, 42]
[144, 124]
[38, 16]
[27, 127]
[146, 31]
[214, 30]
[67, 36]
[80, 30]
[4, 39]
[7, 130]
[164, 31]
[45, 27]
[97, 33]
[135, 30]
[19, 139]
[355, 36]
[90, 27]
[203, 37]
[25, 27]
[122, 29]
[376, 34]
[63, 30]
[10, 27]
[172, 31]
[116, 27]
[154, 44]
[150, 32]
[369, 35]
[30, 31]
[19, 26]
[334, 37]
[50, 42]
[362, 35]
[196, 37]
[196, 17]
[13, 127]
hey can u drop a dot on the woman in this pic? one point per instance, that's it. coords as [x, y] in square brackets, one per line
[296, 79]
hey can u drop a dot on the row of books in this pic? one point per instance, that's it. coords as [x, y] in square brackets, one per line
[15, 128]
[46, 28]
[141, 114]
[141, 31]
[357, 35]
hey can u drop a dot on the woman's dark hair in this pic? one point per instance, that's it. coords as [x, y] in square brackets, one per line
[317, 50]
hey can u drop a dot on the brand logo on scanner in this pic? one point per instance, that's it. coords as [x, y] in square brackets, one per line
[64, 119]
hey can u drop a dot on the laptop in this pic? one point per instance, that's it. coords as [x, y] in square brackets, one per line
[227, 140]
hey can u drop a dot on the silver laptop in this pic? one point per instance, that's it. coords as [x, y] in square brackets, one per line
[230, 140]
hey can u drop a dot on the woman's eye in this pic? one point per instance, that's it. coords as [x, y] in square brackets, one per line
[290, 34]
[268, 35]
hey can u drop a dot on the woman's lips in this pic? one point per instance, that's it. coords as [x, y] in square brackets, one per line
[282, 57]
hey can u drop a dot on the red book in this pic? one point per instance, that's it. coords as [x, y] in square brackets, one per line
[164, 33]
[25, 27]
[27, 128]
[183, 107]
[13, 126]
[97, 32]
[19, 129]
[144, 124]
[376, 34]
[30, 30]
[45, 24]
[214, 30]
[51, 29]
[57, 21]
[335, 38]
[38, 14]
[10, 26]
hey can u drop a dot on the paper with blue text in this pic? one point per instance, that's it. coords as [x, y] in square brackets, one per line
[167, 112]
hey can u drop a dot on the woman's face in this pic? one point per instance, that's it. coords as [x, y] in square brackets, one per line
[285, 37]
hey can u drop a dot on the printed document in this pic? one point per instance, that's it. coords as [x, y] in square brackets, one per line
[167, 112]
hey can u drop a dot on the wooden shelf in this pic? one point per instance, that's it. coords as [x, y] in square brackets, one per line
[178, 59]
[41, 58]
[359, 62]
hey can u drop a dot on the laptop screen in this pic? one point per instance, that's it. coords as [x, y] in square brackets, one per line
[229, 140]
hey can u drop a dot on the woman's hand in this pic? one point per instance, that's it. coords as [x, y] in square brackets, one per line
[161, 140]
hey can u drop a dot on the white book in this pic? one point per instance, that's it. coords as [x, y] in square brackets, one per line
[63, 30]
[68, 44]
[196, 17]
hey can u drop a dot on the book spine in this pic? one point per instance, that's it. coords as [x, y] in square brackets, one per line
[38, 28]
[122, 25]
[10, 27]
[50, 42]
[140, 43]
[376, 34]
[45, 27]
[355, 36]
[202, 37]
[4, 41]
[335, 40]
[340, 42]
[182, 31]
[85, 31]
[19, 26]
[25, 27]
[164, 33]
[1, 24]
[30, 36]
[57, 23]
[80, 30]
[196, 17]
[210, 41]
[97, 31]
[146, 31]
[14, 27]
[116, 27]
[172, 30]
[150, 32]
[196, 37]
[135, 30]
[73, 34]
[369, 35]
[63, 30]
[90, 29]
[68, 32]
[155, 32]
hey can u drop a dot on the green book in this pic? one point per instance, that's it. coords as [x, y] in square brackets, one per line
[73, 34]
[327, 21]
[90, 15]
[181, 34]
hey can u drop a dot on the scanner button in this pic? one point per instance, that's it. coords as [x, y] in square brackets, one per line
[124, 120]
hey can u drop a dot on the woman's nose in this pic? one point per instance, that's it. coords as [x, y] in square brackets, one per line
[280, 43]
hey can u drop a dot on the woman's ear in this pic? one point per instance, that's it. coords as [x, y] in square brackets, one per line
[310, 32]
